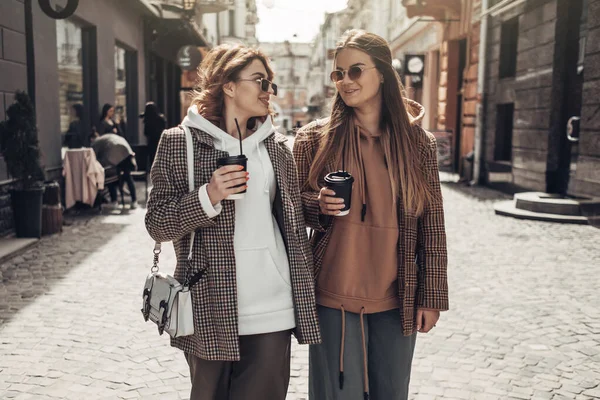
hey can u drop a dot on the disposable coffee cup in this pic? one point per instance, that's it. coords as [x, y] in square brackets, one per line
[234, 160]
[341, 183]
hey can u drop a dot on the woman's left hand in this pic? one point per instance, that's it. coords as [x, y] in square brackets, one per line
[426, 319]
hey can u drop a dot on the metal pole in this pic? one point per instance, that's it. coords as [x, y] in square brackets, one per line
[483, 31]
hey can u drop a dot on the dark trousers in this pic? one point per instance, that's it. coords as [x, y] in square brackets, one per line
[262, 373]
[124, 169]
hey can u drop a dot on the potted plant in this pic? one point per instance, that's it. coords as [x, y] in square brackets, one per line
[19, 146]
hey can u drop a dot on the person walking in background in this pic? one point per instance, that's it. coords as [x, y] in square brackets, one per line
[381, 269]
[154, 125]
[107, 123]
[114, 150]
[255, 267]
[76, 136]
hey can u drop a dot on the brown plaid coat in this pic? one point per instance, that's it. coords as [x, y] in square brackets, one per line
[422, 255]
[173, 213]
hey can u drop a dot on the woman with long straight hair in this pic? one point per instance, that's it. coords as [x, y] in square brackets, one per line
[380, 269]
[250, 253]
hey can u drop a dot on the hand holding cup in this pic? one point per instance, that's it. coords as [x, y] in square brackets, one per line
[225, 181]
[328, 203]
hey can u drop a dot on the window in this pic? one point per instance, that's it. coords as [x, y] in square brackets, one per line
[509, 39]
[120, 85]
[70, 70]
[504, 132]
[126, 92]
[232, 23]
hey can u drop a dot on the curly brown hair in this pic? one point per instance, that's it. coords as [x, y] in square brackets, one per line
[221, 66]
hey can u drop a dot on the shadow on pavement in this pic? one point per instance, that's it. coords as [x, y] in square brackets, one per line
[37, 271]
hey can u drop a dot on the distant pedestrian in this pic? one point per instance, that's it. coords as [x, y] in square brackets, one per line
[76, 136]
[154, 125]
[107, 122]
[114, 150]
[381, 268]
[250, 253]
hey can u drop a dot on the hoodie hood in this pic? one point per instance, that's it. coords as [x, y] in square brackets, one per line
[223, 140]
[251, 146]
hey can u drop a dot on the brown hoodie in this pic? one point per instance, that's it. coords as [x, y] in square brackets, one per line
[360, 265]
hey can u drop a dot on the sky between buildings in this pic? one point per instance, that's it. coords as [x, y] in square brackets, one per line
[281, 19]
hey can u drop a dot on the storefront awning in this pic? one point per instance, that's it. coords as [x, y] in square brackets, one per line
[169, 35]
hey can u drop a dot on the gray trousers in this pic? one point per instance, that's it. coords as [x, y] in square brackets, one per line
[388, 357]
[263, 371]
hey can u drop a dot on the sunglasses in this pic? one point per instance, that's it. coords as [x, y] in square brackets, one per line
[353, 72]
[264, 84]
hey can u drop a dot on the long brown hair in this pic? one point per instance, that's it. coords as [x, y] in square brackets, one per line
[399, 140]
[221, 66]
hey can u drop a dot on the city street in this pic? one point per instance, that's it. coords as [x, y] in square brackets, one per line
[524, 320]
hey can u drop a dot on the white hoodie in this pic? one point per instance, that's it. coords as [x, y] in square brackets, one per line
[264, 291]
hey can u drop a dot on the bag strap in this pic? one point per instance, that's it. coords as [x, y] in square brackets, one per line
[189, 145]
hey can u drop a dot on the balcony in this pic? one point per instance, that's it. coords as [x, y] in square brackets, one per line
[438, 9]
[213, 6]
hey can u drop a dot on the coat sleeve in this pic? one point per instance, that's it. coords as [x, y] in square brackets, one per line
[310, 203]
[171, 214]
[432, 255]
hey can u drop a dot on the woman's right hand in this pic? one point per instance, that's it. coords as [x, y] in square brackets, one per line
[329, 204]
[223, 182]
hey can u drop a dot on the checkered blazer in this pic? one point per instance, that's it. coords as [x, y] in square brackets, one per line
[422, 255]
[173, 213]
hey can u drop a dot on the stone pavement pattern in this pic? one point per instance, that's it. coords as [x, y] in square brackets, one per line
[524, 320]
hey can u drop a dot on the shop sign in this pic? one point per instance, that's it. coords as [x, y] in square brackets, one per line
[414, 67]
[189, 57]
[61, 12]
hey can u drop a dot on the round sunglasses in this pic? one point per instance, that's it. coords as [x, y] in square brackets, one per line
[264, 84]
[354, 73]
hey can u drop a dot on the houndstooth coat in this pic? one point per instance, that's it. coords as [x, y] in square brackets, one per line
[422, 253]
[173, 213]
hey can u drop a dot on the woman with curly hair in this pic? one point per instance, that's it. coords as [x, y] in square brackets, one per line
[251, 254]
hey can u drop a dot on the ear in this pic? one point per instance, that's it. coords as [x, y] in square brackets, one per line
[229, 89]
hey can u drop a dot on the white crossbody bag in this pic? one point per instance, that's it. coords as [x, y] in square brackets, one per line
[167, 302]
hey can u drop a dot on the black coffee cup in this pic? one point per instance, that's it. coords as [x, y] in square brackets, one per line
[341, 183]
[234, 160]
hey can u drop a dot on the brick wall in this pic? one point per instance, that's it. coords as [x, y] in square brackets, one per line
[530, 91]
[585, 181]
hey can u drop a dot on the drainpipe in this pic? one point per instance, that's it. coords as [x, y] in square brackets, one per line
[480, 92]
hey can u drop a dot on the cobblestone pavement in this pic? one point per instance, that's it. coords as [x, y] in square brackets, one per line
[524, 320]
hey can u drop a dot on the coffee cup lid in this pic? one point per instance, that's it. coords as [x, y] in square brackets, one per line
[339, 176]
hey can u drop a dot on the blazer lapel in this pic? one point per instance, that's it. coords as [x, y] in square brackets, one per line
[277, 159]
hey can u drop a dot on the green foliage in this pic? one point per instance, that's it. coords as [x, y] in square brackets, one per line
[19, 144]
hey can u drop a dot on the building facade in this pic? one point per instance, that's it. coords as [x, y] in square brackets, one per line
[107, 51]
[320, 88]
[291, 64]
[541, 77]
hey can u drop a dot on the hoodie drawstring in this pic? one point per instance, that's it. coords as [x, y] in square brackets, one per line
[363, 183]
[364, 351]
[342, 347]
